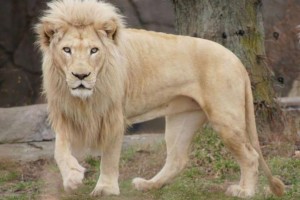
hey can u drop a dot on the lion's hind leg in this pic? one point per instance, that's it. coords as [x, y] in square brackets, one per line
[180, 129]
[234, 138]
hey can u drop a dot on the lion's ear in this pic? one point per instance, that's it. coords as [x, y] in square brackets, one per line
[109, 29]
[46, 32]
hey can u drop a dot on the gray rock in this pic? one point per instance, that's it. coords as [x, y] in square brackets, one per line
[27, 151]
[156, 12]
[142, 140]
[24, 124]
[44, 150]
[129, 11]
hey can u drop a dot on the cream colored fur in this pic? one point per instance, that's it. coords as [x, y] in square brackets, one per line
[134, 76]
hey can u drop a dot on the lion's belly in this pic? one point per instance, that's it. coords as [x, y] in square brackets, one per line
[161, 107]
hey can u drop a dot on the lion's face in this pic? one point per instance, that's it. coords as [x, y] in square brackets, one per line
[79, 55]
[78, 38]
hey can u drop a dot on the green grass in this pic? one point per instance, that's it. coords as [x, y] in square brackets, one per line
[13, 188]
[210, 171]
[7, 176]
[128, 155]
[210, 155]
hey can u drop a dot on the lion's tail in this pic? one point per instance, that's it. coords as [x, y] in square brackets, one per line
[276, 185]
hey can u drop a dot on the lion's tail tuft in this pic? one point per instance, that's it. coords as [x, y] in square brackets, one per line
[276, 186]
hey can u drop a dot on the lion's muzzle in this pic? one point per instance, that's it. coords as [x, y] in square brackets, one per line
[81, 84]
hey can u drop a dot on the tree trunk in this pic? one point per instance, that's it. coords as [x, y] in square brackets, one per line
[237, 25]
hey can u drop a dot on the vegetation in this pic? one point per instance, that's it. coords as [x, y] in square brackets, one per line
[209, 173]
[14, 185]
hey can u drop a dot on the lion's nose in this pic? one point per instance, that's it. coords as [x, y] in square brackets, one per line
[81, 76]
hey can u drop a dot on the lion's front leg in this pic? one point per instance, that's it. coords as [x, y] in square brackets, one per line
[72, 172]
[109, 170]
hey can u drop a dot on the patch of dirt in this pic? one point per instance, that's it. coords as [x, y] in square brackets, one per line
[42, 179]
[144, 163]
[52, 186]
[32, 171]
[20, 179]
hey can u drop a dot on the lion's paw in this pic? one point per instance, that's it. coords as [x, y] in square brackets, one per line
[73, 179]
[142, 184]
[105, 190]
[237, 191]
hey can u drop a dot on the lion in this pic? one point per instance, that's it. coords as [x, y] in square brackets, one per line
[99, 77]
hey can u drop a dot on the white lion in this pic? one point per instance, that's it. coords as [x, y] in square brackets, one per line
[99, 76]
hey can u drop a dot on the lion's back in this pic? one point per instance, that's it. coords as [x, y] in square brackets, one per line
[194, 55]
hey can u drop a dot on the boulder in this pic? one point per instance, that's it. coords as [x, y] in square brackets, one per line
[32, 151]
[27, 151]
[25, 124]
[127, 8]
[155, 15]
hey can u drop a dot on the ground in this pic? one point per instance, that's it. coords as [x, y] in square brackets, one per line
[207, 176]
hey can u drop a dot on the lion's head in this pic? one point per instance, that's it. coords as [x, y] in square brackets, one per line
[84, 72]
[79, 36]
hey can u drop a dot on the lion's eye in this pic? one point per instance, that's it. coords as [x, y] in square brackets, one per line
[67, 50]
[94, 50]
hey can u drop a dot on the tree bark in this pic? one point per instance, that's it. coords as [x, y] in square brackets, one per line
[237, 25]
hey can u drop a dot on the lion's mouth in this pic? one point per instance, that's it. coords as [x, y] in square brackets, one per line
[81, 87]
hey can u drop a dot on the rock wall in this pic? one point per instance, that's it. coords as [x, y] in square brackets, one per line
[20, 67]
[25, 124]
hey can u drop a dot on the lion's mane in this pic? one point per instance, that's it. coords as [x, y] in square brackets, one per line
[94, 120]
